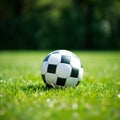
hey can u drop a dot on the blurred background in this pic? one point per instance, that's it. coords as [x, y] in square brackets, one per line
[59, 24]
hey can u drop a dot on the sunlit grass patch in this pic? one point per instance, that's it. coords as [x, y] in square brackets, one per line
[23, 95]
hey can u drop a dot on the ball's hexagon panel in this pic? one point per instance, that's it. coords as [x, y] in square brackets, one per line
[44, 67]
[54, 59]
[75, 62]
[71, 82]
[63, 70]
[50, 78]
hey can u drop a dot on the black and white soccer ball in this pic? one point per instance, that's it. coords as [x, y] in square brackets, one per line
[61, 68]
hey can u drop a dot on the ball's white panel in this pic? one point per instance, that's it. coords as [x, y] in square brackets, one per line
[63, 70]
[71, 82]
[65, 52]
[44, 67]
[81, 71]
[51, 78]
[54, 59]
[75, 62]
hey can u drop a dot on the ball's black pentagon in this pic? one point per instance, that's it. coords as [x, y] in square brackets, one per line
[47, 57]
[51, 68]
[43, 77]
[65, 59]
[60, 81]
[74, 73]
[49, 86]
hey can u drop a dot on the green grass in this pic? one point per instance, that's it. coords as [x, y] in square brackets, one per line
[23, 95]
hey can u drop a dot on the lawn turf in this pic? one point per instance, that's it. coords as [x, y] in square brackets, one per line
[23, 95]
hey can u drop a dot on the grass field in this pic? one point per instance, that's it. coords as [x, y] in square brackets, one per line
[23, 95]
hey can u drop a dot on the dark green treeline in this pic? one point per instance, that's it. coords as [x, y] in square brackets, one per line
[60, 24]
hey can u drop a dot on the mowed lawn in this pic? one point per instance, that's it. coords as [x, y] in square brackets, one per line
[23, 95]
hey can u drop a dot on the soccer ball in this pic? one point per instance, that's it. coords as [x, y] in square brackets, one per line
[61, 68]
